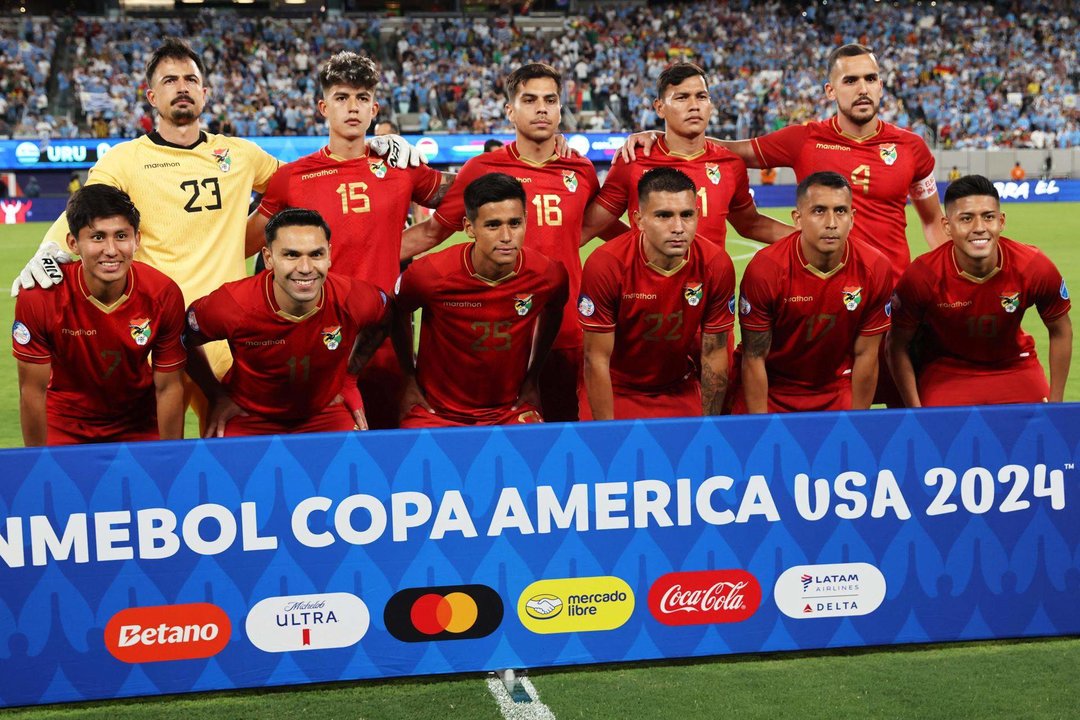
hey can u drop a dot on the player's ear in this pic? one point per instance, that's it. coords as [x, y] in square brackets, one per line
[138, 239]
[947, 226]
[795, 219]
[637, 218]
[830, 92]
[268, 257]
[658, 106]
[1002, 219]
[468, 228]
[72, 244]
[321, 105]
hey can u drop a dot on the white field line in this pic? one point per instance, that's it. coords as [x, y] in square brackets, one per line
[754, 247]
[511, 710]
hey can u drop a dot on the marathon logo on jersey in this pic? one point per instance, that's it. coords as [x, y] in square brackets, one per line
[523, 304]
[378, 168]
[585, 306]
[852, 296]
[20, 333]
[712, 171]
[1010, 301]
[167, 632]
[744, 306]
[692, 293]
[1064, 291]
[140, 330]
[888, 153]
[224, 161]
[331, 337]
[456, 612]
[569, 178]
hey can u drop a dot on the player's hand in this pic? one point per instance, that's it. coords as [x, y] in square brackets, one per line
[222, 411]
[563, 149]
[529, 394]
[644, 140]
[43, 270]
[412, 396]
[350, 397]
[397, 151]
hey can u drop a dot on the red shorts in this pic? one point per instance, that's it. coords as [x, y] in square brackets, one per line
[333, 418]
[682, 399]
[951, 382]
[417, 417]
[67, 431]
[792, 398]
[560, 379]
[381, 385]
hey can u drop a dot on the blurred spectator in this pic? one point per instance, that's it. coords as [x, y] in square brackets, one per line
[1017, 173]
[492, 144]
[32, 189]
[768, 176]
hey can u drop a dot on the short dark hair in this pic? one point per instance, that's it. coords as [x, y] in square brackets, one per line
[968, 186]
[825, 178]
[294, 217]
[91, 202]
[173, 49]
[846, 51]
[491, 188]
[349, 68]
[394, 129]
[676, 74]
[664, 179]
[531, 71]
[492, 144]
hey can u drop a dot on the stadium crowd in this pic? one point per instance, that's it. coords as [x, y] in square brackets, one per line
[963, 75]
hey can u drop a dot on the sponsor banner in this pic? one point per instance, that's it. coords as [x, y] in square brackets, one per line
[150, 568]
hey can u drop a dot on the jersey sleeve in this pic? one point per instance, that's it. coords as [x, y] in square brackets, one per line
[780, 148]
[598, 304]
[112, 168]
[412, 286]
[367, 303]
[923, 185]
[30, 341]
[615, 194]
[1049, 293]
[210, 317]
[757, 296]
[591, 181]
[876, 317]
[425, 182]
[273, 200]
[451, 211]
[265, 166]
[741, 197]
[168, 353]
[720, 313]
[559, 283]
[907, 305]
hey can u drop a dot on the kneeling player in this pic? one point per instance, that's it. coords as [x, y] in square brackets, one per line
[291, 329]
[490, 313]
[966, 299]
[645, 296]
[82, 346]
[813, 308]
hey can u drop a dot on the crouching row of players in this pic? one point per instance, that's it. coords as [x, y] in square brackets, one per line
[100, 356]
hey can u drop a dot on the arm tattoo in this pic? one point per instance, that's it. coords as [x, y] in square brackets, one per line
[757, 344]
[444, 185]
[713, 384]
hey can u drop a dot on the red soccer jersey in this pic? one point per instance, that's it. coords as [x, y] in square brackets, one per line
[364, 201]
[883, 169]
[973, 320]
[476, 336]
[557, 192]
[100, 373]
[814, 317]
[718, 173]
[655, 314]
[286, 368]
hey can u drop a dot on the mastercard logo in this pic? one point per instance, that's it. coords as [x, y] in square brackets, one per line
[453, 612]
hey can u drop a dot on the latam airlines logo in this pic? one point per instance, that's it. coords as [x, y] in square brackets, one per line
[704, 597]
[307, 622]
[457, 612]
[575, 604]
[836, 590]
[167, 632]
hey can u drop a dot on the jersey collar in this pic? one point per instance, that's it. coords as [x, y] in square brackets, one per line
[660, 270]
[512, 151]
[466, 258]
[155, 137]
[813, 270]
[268, 287]
[834, 123]
[972, 278]
[107, 309]
[662, 144]
[338, 158]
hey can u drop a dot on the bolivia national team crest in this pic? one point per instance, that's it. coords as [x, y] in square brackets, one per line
[569, 178]
[692, 293]
[224, 161]
[888, 153]
[852, 296]
[331, 337]
[1010, 301]
[712, 171]
[140, 330]
[523, 304]
[378, 168]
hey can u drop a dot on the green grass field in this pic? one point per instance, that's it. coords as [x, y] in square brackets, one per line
[1024, 679]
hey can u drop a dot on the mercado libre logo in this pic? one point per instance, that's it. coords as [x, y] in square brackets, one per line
[575, 604]
[704, 597]
[167, 632]
[836, 590]
[453, 612]
[307, 622]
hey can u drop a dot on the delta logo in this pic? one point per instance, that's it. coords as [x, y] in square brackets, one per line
[1010, 301]
[833, 590]
[523, 304]
[157, 633]
[569, 178]
[307, 622]
[704, 597]
[455, 612]
[575, 605]
[712, 171]
[224, 160]
[852, 296]
[692, 293]
[331, 337]
[888, 153]
[140, 330]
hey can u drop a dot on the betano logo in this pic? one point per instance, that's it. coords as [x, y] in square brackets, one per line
[307, 622]
[453, 612]
[167, 632]
[836, 590]
[704, 597]
[575, 604]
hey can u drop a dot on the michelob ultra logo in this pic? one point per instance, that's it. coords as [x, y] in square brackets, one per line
[167, 632]
[836, 590]
[576, 604]
[307, 622]
[455, 612]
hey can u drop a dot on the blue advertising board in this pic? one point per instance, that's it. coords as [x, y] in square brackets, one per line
[137, 569]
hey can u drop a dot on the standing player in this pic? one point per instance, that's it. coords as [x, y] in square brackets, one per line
[557, 191]
[683, 101]
[813, 308]
[290, 329]
[83, 347]
[968, 299]
[364, 202]
[491, 310]
[645, 296]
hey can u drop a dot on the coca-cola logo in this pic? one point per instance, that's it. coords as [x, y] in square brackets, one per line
[167, 632]
[704, 597]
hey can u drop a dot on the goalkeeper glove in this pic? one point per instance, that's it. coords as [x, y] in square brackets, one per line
[43, 270]
[397, 151]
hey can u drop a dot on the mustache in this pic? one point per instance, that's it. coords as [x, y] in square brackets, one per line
[183, 98]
